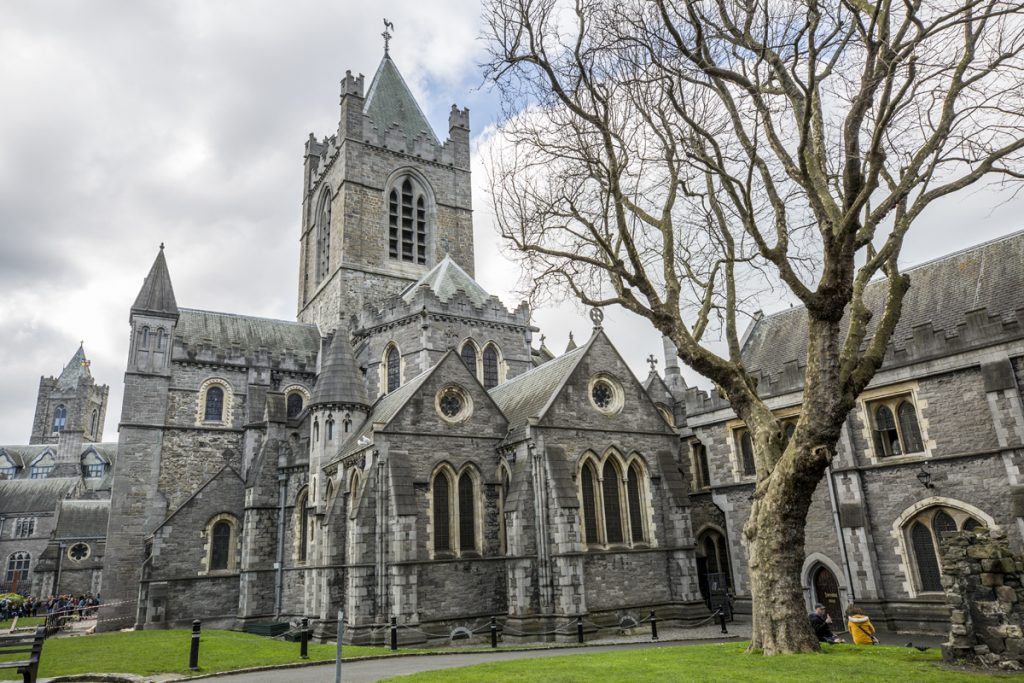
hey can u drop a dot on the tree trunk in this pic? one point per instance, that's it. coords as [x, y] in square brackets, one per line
[775, 529]
[775, 556]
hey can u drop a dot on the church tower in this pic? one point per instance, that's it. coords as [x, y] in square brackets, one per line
[383, 200]
[70, 404]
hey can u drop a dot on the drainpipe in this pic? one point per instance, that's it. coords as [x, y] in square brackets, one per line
[839, 532]
[282, 481]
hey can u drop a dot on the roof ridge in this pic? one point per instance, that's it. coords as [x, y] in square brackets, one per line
[248, 317]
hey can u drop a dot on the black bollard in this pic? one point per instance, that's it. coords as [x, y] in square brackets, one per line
[494, 632]
[654, 626]
[304, 639]
[193, 653]
[579, 629]
[394, 633]
[721, 619]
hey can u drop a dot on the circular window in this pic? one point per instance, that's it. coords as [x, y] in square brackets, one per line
[78, 552]
[606, 394]
[453, 404]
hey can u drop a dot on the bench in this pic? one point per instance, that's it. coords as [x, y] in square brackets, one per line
[29, 644]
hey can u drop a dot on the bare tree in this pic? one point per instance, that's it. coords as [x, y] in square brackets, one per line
[678, 159]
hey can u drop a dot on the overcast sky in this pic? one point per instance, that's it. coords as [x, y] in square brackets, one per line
[127, 124]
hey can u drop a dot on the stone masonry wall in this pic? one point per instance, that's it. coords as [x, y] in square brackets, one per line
[982, 579]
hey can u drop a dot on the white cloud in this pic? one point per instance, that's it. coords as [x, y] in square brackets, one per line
[129, 124]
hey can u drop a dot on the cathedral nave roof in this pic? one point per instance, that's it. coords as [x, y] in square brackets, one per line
[33, 495]
[246, 333]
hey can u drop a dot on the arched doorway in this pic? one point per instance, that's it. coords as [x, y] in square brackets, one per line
[713, 576]
[826, 591]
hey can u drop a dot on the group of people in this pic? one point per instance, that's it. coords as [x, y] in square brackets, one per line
[857, 624]
[82, 606]
[10, 608]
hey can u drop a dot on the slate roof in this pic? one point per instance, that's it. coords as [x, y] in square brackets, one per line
[446, 278]
[389, 101]
[157, 294]
[989, 275]
[227, 330]
[23, 455]
[33, 495]
[529, 394]
[339, 380]
[82, 519]
[76, 369]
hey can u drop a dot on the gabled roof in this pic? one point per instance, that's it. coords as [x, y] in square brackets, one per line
[157, 294]
[76, 369]
[989, 275]
[384, 410]
[339, 380]
[23, 455]
[33, 495]
[529, 395]
[82, 519]
[389, 101]
[246, 333]
[445, 279]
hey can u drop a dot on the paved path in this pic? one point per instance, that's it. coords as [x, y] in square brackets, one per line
[367, 671]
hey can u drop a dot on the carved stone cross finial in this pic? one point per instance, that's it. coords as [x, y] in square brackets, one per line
[597, 317]
[652, 361]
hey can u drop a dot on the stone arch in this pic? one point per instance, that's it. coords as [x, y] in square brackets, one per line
[901, 524]
[811, 563]
[227, 410]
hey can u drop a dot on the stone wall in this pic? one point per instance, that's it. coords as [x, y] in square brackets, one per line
[982, 578]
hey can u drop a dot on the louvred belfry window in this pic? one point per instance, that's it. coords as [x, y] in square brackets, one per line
[407, 222]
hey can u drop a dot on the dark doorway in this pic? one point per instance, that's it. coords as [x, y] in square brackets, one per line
[826, 591]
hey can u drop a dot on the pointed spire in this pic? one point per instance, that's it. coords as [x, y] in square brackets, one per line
[77, 368]
[571, 346]
[389, 102]
[339, 380]
[157, 294]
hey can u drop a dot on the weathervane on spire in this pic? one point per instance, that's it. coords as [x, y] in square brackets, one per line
[388, 27]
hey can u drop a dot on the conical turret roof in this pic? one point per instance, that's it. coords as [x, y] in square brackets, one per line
[339, 380]
[77, 368]
[389, 101]
[157, 294]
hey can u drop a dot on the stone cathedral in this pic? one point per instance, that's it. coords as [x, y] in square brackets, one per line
[408, 449]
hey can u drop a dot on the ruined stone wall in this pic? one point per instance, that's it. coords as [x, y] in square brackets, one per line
[982, 578]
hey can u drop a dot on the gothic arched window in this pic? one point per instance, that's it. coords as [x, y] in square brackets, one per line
[302, 526]
[611, 490]
[323, 237]
[407, 221]
[587, 482]
[294, 405]
[220, 545]
[636, 513]
[442, 513]
[17, 567]
[925, 533]
[490, 367]
[469, 356]
[392, 368]
[95, 421]
[60, 418]
[214, 404]
[908, 426]
[467, 512]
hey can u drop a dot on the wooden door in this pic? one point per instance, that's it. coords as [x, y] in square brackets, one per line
[826, 591]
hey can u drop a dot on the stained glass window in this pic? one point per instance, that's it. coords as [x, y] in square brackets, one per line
[394, 370]
[467, 510]
[490, 367]
[220, 545]
[612, 506]
[294, 404]
[636, 524]
[214, 404]
[589, 505]
[442, 518]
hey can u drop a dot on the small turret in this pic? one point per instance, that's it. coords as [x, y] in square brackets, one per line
[153, 318]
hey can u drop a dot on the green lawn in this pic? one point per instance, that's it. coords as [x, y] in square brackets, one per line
[152, 652]
[22, 622]
[717, 663]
